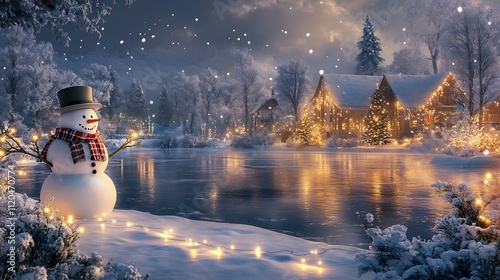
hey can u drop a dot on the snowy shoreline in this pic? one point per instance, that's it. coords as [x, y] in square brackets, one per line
[170, 247]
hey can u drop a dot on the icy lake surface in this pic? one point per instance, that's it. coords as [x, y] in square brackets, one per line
[309, 193]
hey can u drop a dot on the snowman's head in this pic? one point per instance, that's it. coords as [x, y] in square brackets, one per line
[84, 120]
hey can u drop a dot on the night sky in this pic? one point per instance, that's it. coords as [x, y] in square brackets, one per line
[170, 36]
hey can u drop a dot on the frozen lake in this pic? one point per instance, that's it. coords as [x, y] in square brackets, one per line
[308, 193]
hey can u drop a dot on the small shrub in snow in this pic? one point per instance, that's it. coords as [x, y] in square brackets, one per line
[182, 141]
[465, 139]
[335, 142]
[256, 139]
[44, 246]
[466, 244]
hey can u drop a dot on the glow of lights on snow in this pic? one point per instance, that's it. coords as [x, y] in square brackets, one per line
[460, 9]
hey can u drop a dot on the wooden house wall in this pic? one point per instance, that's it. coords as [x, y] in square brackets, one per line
[403, 122]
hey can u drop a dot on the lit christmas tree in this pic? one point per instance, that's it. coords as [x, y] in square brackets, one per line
[376, 121]
[308, 131]
[369, 56]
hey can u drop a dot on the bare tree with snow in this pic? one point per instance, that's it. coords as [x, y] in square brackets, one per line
[247, 83]
[292, 83]
[426, 21]
[471, 46]
[186, 97]
[210, 92]
[409, 61]
[33, 15]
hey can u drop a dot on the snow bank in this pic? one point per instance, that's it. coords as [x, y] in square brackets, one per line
[170, 247]
[466, 162]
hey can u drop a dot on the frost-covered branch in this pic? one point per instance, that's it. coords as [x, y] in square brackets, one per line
[33, 15]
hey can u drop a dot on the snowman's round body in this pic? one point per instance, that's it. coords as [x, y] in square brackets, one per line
[82, 189]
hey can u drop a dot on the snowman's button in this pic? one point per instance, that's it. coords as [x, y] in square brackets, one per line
[93, 164]
[94, 171]
[92, 158]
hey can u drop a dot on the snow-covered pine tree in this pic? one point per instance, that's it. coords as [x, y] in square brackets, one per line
[164, 115]
[136, 105]
[369, 58]
[116, 99]
[376, 121]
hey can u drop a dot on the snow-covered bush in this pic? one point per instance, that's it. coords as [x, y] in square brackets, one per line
[182, 141]
[466, 244]
[465, 139]
[335, 142]
[36, 245]
[256, 139]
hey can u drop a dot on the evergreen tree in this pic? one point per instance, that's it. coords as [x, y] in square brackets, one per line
[136, 105]
[164, 115]
[369, 58]
[116, 100]
[376, 121]
[308, 131]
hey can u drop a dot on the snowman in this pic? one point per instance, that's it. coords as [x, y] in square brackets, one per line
[78, 185]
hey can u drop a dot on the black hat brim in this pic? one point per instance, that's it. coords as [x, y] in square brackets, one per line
[95, 106]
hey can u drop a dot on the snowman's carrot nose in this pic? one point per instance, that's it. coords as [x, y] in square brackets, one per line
[93, 120]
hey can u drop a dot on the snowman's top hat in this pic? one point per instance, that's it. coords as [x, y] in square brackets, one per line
[74, 98]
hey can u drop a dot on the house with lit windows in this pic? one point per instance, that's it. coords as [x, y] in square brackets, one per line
[413, 102]
[262, 114]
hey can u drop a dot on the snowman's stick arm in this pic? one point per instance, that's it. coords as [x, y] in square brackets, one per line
[129, 143]
[15, 147]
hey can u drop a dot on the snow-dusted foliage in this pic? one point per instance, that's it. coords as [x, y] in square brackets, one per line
[466, 244]
[465, 139]
[262, 138]
[336, 142]
[182, 141]
[36, 245]
[31, 80]
[33, 15]
[368, 59]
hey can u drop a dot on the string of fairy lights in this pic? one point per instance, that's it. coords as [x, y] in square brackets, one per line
[194, 246]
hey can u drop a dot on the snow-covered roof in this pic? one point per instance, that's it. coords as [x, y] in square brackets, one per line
[271, 102]
[352, 90]
[413, 91]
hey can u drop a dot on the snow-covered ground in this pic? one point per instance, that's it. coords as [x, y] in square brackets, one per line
[169, 247]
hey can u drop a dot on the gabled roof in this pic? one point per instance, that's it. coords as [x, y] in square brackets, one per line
[414, 91]
[271, 102]
[352, 90]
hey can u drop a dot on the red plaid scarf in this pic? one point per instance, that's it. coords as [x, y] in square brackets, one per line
[75, 140]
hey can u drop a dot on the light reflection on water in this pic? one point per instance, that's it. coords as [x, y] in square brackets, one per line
[313, 194]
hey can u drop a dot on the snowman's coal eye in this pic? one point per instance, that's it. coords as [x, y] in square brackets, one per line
[84, 116]
[91, 116]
